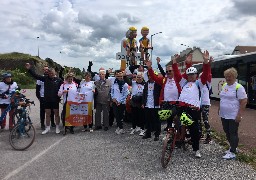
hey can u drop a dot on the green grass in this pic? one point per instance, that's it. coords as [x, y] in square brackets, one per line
[17, 56]
[245, 155]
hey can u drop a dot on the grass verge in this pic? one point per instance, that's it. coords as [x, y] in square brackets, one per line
[247, 156]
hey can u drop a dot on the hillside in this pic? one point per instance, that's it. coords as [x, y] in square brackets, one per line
[15, 63]
[15, 60]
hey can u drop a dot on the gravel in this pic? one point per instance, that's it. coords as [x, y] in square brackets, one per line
[105, 155]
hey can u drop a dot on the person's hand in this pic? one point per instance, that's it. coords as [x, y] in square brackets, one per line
[90, 63]
[27, 66]
[65, 91]
[176, 56]
[238, 118]
[149, 64]
[158, 60]
[114, 101]
[142, 106]
[206, 56]
[189, 58]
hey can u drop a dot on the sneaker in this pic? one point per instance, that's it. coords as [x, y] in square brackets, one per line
[198, 155]
[46, 131]
[121, 131]
[133, 131]
[91, 130]
[229, 156]
[117, 130]
[142, 132]
[228, 151]
[57, 129]
[137, 129]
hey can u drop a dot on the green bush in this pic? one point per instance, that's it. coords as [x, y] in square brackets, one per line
[23, 79]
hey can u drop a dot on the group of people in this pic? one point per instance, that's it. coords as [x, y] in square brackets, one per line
[146, 92]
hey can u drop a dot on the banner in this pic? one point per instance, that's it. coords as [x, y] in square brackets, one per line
[79, 110]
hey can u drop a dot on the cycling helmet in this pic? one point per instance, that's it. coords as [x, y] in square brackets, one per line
[6, 75]
[164, 114]
[191, 70]
[186, 119]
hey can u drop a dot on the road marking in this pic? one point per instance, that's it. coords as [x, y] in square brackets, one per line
[16, 171]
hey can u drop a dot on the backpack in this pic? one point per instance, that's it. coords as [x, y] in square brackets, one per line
[237, 87]
[209, 89]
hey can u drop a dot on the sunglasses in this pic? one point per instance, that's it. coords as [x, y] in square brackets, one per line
[168, 71]
[191, 74]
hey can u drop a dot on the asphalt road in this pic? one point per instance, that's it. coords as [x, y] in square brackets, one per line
[105, 155]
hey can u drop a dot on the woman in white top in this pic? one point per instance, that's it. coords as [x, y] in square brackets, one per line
[233, 100]
[7, 86]
[69, 91]
[87, 87]
[136, 102]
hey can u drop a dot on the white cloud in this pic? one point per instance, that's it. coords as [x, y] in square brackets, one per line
[85, 30]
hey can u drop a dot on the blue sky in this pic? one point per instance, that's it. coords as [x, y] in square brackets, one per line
[92, 30]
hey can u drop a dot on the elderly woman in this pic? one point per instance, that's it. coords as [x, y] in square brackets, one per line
[233, 99]
[6, 87]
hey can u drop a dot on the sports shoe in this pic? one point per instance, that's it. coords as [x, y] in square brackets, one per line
[133, 131]
[57, 129]
[142, 132]
[229, 156]
[137, 129]
[47, 129]
[91, 130]
[227, 151]
[117, 130]
[198, 155]
[121, 131]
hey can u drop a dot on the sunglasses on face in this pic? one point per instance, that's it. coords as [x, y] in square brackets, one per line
[191, 74]
[168, 71]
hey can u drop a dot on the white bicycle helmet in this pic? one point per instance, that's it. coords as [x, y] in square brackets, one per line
[191, 70]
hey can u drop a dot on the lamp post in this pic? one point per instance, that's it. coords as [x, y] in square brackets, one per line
[151, 38]
[37, 46]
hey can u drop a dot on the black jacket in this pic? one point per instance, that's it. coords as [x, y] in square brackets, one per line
[51, 86]
[156, 94]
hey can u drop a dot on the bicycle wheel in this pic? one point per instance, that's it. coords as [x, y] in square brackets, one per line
[168, 147]
[22, 136]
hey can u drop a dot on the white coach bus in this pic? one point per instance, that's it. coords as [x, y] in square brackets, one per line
[246, 68]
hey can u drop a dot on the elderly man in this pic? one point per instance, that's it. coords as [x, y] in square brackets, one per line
[102, 100]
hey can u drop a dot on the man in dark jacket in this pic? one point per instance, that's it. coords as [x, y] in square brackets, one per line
[51, 88]
[40, 96]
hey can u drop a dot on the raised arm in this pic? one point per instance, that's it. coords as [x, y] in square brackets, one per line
[205, 73]
[33, 74]
[158, 80]
[176, 71]
[160, 67]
